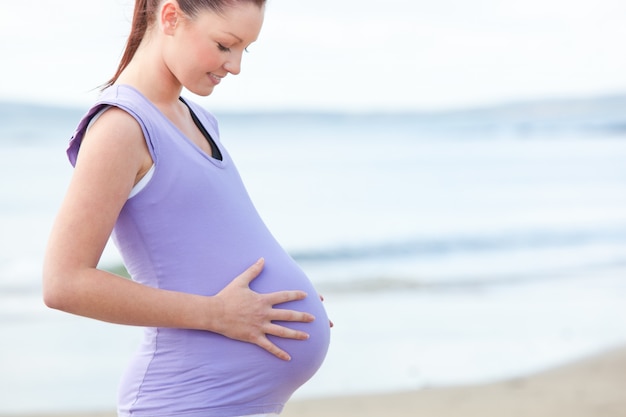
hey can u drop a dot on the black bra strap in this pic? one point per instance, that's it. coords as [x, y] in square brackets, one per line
[215, 151]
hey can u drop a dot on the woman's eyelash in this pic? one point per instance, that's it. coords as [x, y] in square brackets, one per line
[226, 49]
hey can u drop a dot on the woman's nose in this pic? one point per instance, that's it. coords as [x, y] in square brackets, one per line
[233, 65]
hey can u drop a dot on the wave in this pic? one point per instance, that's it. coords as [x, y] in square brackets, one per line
[429, 247]
[469, 282]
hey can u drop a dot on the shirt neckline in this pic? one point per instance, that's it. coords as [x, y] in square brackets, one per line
[217, 162]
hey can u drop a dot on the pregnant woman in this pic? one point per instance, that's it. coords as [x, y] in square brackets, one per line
[232, 325]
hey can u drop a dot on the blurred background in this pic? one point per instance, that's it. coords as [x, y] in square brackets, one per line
[450, 174]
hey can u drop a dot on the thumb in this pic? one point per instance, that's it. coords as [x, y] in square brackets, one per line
[253, 271]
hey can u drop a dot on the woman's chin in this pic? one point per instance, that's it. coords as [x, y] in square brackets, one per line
[202, 91]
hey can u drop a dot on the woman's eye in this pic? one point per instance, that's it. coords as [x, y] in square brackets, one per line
[222, 48]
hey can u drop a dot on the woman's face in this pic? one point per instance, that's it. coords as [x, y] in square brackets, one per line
[200, 51]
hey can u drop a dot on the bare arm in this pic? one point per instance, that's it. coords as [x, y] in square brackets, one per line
[112, 158]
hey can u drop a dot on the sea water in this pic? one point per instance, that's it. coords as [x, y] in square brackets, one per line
[451, 248]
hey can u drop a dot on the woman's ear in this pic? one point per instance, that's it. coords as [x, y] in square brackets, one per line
[168, 18]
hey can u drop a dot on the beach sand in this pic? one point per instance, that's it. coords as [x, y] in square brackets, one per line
[591, 387]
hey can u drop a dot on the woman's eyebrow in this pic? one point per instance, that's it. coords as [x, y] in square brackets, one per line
[234, 36]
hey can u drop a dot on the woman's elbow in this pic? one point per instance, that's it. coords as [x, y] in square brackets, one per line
[55, 291]
[51, 294]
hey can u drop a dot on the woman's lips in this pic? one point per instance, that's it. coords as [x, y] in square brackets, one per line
[215, 78]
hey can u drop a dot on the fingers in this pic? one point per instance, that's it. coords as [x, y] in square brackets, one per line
[283, 332]
[266, 344]
[286, 332]
[330, 322]
[281, 297]
[252, 317]
[291, 315]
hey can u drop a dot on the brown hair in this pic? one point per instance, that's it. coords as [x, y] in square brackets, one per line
[144, 15]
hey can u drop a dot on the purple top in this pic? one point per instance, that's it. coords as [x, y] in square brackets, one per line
[193, 228]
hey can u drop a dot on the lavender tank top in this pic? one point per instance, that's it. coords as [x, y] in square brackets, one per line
[193, 228]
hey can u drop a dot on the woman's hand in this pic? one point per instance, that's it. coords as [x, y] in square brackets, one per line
[330, 322]
[248, 316]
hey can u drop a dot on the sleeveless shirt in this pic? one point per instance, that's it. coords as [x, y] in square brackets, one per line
[193, 228]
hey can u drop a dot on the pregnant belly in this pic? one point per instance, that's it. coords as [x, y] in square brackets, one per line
[306, 355]
[281, 273]
[211, 371]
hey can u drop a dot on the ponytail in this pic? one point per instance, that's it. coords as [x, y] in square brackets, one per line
[144, 10]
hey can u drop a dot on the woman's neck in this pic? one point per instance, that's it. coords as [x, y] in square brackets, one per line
[148, 73]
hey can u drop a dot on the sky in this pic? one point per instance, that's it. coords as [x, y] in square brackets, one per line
[346, 55]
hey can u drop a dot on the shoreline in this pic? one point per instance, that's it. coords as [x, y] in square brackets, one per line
[589, 387]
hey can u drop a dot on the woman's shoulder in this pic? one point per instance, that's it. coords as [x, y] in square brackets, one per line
[114, 123]
[110, 123]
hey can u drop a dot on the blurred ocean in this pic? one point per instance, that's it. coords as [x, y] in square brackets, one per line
[452, 247]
